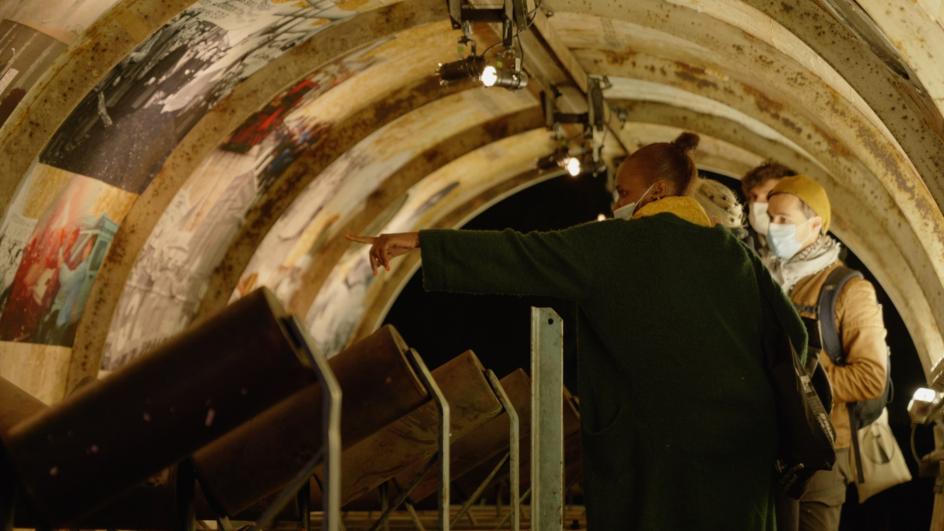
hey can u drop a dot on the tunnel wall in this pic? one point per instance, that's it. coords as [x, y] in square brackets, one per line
[158, 159]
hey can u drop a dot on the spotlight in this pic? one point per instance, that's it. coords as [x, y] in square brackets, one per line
[924, 406]
[572, 165]
[505, 78]
[460, 70]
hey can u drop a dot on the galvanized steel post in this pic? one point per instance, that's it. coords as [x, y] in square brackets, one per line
[514, 452]
[444, 435]
[330, 451]
[547, 420]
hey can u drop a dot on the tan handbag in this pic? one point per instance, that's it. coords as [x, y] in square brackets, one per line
[883, 464]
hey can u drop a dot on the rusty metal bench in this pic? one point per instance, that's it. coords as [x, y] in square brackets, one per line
[482, 445]
[75, 457]
[412, 439]
[258, 458]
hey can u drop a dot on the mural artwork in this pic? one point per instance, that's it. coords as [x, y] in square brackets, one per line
[339, 307]
[123, 131]
[173, 267]
[60, 261]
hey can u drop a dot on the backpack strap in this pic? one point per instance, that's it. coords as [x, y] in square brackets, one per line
[832, 344]
[826, 312]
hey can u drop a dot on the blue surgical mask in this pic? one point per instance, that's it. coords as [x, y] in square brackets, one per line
[626, 211]
[783, 240]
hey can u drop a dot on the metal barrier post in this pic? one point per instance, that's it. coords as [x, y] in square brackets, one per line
[547, 420]
[514, 450]
[330, 447]
[444, 436]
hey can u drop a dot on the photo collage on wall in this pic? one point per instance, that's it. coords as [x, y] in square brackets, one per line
[113, 144]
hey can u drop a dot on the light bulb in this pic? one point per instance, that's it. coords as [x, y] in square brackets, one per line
[601, 217]
[572, 165]
[489, 76]
[925, 395]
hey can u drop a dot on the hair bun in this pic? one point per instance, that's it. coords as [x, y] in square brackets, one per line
[686, 141]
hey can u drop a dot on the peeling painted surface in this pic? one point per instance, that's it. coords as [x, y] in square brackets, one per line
[327, 202]
[372, 28]
[171, 272]
[917, 37]
[906, 110]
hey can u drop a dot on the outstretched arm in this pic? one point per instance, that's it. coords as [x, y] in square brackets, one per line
[553, 264]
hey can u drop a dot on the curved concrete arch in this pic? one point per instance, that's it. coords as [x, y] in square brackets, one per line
[74, 74]
[731, 131]
[769, 79]
[902, 104]
[755, 36]
[918, 36]
[245, 99]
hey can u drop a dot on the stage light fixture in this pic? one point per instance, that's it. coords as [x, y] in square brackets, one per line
[467, 68]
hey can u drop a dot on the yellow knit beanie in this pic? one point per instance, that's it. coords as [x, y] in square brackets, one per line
[810, 192]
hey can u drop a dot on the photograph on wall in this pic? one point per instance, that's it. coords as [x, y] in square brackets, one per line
[59, 263]
[25, 54]
[143, 108]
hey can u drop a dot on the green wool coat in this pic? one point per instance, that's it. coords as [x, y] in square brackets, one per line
[677, 412]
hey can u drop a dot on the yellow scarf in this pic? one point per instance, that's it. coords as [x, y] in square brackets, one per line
[684, 207]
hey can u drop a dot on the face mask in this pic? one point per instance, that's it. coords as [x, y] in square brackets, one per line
[626, 211]
[783, 240]
[758, 217]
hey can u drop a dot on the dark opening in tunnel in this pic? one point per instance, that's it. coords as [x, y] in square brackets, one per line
[441, 325]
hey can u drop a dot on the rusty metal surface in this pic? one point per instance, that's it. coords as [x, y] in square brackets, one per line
[16, 406]
[259, 457]
[113, 434]
[901, 103]
[250, 95]
[481, 445]
[412, 439]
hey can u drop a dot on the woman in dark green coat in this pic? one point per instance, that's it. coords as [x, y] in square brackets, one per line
[679, 427]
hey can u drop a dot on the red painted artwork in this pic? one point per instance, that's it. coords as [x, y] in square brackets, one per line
[52, 283]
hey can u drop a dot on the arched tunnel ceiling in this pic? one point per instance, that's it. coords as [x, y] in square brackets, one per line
[224, 145]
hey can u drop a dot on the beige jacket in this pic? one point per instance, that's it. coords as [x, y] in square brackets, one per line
[862, 331]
